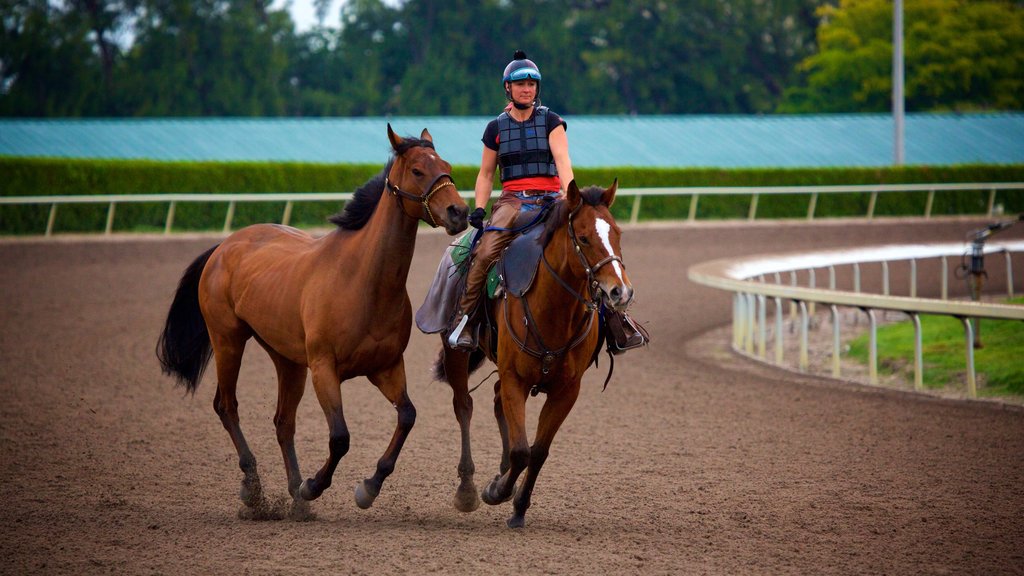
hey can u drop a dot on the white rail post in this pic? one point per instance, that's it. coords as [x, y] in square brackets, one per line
[229, 217]
[753, 207]
[748, 341]
[812, 284]
[856, 277]
[51, 219]
[835, 341]
[693, 208]
[762, 329]
[287, 217]
[872, 347]
[871, 204]
[778, 331]
[991, 201]
[972, 385]
[737, 311]
[792, 303]
[918, 353]
[885, 277]
[945, 278]
[831, 277]
[634, 214]
[804, 361]
[1009, 274]
[811, 205]
[913, 277]
[928, 204]
[110, 219]
[170, 218]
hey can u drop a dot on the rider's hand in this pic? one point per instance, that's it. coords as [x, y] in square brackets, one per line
[476, 219]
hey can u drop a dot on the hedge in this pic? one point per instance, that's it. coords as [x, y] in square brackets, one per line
[52, 176]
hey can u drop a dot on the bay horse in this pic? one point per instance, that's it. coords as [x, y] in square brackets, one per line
[541, 343]
[336, 306]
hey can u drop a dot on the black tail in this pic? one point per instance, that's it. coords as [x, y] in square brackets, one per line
[476, 358]
[184, 346]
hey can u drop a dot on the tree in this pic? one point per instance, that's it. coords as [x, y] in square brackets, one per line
[959, 55]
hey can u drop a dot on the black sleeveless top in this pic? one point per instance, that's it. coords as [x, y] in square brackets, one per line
[522, 147]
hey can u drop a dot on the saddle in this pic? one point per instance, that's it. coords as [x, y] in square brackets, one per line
[514, 271]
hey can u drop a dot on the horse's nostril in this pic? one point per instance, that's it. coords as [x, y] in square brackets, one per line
[456, 212]
[616, 294]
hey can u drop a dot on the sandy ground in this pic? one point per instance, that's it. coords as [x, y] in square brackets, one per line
[694, 461]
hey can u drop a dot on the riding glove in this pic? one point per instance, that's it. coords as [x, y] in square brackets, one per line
[476, 219]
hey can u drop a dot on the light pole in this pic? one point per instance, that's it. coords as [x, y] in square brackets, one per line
[897, 80]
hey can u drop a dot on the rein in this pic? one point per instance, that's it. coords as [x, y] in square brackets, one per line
[592, 304]
[400, 194]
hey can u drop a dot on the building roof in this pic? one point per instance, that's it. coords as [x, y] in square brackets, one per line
[662, 141]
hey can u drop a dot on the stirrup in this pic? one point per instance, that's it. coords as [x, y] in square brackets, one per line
[456, 339]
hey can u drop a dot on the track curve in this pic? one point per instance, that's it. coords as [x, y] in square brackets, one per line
[693, 460]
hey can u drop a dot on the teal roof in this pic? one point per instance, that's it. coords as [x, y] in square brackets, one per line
[667, 141]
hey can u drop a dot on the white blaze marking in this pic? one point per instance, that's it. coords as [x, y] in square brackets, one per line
[603, 228]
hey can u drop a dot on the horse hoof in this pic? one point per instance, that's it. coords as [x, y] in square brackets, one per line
[489, 494]
[251, 497]
[516, 522]
[300, 511]
[305, 492]
[364, 498]
[466, 499]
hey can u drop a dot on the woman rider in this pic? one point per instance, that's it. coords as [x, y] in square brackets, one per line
[529, 143]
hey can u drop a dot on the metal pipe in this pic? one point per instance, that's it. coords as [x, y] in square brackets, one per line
[748, 343]
[762, 329]
[929, 203]
[872, 347]
[229, 217]
[170, 217]
[913, 277]
[693, 208]
[972, 386]
[51, 219]
[634, 214]
[1009, 274]
[287, 217]
[110, 219]
[856, 277]
[918, 353]
[811, 205]
[835, 341]
[804, 360]
[753, 207]
[885, 278]
[945, 278]
[778, 331]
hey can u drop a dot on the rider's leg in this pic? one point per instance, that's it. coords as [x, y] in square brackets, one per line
[487, 251]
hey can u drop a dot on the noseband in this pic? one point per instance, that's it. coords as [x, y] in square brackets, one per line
[399, 194]
[591, 270]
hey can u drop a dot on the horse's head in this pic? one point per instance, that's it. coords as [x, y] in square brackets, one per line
[421, 178]
[595, 237]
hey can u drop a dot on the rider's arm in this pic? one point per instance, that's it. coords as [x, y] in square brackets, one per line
[559, 144]
[485, 179]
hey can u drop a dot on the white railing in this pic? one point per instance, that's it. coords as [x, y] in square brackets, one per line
[695, 194]
[750, 281]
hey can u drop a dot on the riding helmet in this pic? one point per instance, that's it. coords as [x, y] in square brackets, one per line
[520, 68]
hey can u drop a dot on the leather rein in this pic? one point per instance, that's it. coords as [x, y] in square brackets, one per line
[544, 354]
[400, 194]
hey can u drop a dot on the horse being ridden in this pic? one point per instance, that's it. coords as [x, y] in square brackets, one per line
[336, 306]
[541, 342]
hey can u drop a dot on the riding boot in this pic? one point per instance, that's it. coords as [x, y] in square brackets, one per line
[624, 333]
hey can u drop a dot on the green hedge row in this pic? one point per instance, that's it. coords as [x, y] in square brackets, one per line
[34, 176]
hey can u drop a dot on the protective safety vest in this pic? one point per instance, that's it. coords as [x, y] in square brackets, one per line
[523, 147]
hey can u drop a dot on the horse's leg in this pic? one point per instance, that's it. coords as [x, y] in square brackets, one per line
[328, 392]
[456, 365]
[391, 383]
[499, 416]
[513, 403]
[291, 383]
[552, 415]
[227, 352]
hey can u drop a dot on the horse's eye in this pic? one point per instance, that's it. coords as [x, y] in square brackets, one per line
[417, 173]
[584, 241]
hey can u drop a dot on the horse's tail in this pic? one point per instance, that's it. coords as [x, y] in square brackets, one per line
[184, 346]
[476, 358]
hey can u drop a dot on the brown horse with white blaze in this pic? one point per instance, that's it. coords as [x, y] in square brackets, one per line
[541, 342]
[335, 306]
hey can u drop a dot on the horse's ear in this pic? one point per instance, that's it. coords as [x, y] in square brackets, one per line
[396, 140]
[426, 136]
[609, 194]
[572, 194]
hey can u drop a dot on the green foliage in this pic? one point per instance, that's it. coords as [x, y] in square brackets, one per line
[34, 176]
[997, 363]
[959, 55]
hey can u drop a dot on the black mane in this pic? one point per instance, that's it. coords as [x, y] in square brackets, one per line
[357, 212]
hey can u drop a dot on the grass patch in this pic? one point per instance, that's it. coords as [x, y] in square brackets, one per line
[998, 363]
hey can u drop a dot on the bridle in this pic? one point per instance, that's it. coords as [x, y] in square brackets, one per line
[400, 194]
[592, 304]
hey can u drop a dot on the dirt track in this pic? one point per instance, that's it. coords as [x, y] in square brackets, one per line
[693, 460]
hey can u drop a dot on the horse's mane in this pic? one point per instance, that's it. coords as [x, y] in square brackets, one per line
[591, 196]
[357, 212]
